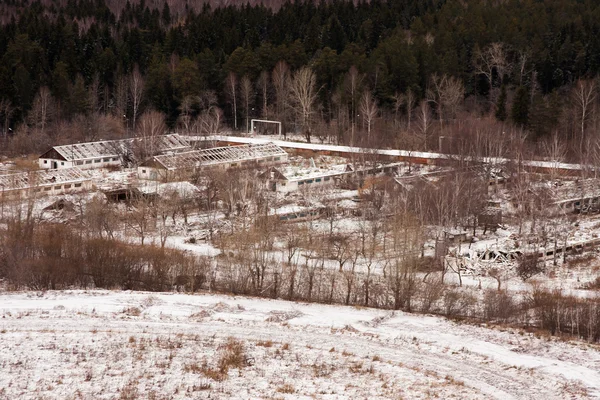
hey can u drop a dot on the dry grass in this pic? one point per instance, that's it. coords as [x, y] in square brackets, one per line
[232, 355]
[286, 388]
[193, 368]
[132, 311]
[129, 391]
[262, 343]
[593, 285]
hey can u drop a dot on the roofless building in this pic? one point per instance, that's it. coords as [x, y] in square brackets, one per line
[163, 167]
[37, 183]
[107, 153]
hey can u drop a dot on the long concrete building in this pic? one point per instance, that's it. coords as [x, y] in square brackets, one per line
[170, 166]
[37, 183]
[107, 153]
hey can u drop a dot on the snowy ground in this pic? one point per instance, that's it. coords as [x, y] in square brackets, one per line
[106, 345]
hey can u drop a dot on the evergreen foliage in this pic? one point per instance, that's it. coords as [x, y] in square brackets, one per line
[501, 105]
[520, 107]
[397, 45]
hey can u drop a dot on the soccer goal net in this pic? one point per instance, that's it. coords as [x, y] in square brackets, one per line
[265, 127]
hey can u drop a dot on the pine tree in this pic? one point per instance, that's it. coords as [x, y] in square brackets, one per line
[166, 15]
[501, 105]
[520, 107]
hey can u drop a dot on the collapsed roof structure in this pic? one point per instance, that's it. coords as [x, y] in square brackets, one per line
[109, 152]
[22, 184]
[219, 155]
[226, 157]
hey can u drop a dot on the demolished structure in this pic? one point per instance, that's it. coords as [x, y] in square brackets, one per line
[29, 184]
[168, 166]
[110, 153]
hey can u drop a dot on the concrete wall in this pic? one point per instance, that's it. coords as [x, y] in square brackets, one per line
[103, 162]
[308, 183]
[47, 190]
[154, 173]
[48, 163]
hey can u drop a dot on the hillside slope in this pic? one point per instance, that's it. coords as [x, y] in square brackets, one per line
[102, 344]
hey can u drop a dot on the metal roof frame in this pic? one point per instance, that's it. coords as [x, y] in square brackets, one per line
[219, 155]
[114, 148]
[26, 180]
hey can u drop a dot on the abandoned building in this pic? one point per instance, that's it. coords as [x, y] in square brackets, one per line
[28, 184]
[291, 180]
[169, 166]
[109, 153]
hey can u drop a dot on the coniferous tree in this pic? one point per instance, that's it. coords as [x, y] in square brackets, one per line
[501, 105]
[520, 106]
[166, 14]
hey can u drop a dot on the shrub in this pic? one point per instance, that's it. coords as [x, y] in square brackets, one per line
[529, 265]
[498, 305]
[232, 355]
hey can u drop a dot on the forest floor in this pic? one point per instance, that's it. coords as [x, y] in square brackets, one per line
[128, 345]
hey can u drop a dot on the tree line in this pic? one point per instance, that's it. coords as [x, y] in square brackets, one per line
[366, 65]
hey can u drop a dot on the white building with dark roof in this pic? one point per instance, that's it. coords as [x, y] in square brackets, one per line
[102, 154]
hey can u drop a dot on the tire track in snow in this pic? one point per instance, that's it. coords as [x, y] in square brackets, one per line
[492, 380]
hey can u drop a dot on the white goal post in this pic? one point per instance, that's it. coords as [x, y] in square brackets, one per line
[254, 121]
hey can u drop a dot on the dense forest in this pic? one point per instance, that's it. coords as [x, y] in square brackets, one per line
[85, 69]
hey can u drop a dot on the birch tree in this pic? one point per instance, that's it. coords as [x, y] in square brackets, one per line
[353, 82]
[136, 93]
[42, 109]
[263, 87]
[584, 95]
[303, 98]
[246, 96]
[280, 78]
[369, 110]
[424, 117]
[231, 90]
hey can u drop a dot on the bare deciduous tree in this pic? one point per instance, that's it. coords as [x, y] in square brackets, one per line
[492, 59]
[446, 92]
[139, 217]
[185, 117]
[369, 110]
[409, 101]
[352, 85]
[584, 95]
[263, 86]
[424, 119]
[555, 150]
[231, 90]
[42, 109]
[209, 121]
[151, 126]
[303, 96]
[247, 96]
[280, 78]
[136, 93]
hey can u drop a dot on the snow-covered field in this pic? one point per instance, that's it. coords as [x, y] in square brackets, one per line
[107, 345]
